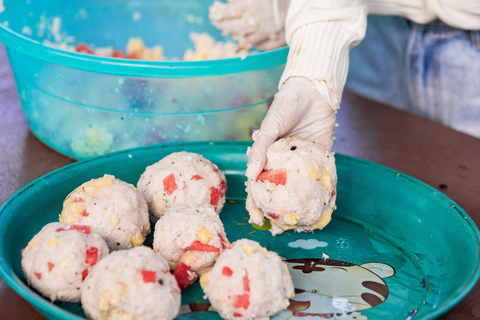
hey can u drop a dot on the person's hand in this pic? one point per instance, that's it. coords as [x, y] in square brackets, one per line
[252, 23]
[299, 108]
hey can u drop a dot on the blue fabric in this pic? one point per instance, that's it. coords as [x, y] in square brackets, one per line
[431, 70]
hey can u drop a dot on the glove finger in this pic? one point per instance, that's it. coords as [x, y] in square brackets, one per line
[258, 154]
[270, 44]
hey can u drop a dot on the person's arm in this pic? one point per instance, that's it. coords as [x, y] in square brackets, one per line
[320, 35]
[462, 14]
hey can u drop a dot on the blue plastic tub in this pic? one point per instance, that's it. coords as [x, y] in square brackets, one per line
[84, 105]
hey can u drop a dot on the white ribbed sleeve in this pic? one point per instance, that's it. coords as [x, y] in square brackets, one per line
[320, 35]
[462, 14]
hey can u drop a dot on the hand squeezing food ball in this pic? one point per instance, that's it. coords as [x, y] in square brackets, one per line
[297, 188]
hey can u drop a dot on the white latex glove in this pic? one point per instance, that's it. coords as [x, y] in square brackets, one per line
[252, 23]
[299, 108]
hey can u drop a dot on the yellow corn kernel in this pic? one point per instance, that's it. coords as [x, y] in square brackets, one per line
[324, 219]
[248, 248]
[96, 185]
[189, 257]
[64, 263]
[313, 173]
[53, 241]
[72, 212]
[203, 235]
[327, 179]
[136, 240]
[32, 243]
[114, 221]
[204, 279]
[292, 217]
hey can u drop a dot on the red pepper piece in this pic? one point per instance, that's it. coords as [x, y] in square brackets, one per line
[215, 170]
[226, 271]
[241, 301]
[197, 245]
[246, 282]
[84, 274]
[184, 275]
[196, 177]
[169, 184]
[273, 215]
[214, 196]
[38, 275]
[149, 276]
[134, 56]
[83, 48]
[92, 256]
[85, 213]
[276, 176]
[223, 188]
[82, 229]
[118, 54]
[60, 229]
[237, 315]
[50, 266]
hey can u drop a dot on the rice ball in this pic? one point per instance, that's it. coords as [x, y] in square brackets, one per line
[59, 257]
[182, 177]
[248, 282]
[190, 239]
[114, 209]
[131, 284]
[297, 188]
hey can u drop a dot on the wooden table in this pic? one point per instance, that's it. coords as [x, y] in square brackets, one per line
[434, 154]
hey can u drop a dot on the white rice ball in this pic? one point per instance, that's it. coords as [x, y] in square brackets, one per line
[296, 190]
[131, 284]
[193, 236]
[59, 257]
[182, 177]
[248, 282]
[113, 208]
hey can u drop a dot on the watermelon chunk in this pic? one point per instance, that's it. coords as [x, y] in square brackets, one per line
[169, 184]
[184, 275]
[149, 276]
[197, 245]
[276, 176]
[91, 256]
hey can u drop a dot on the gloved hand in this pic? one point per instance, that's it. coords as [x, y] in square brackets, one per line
[299, 108]
[252, 23]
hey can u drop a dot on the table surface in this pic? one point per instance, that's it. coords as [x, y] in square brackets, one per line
[443, 158]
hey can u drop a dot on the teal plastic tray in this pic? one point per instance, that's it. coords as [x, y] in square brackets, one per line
[396, 248]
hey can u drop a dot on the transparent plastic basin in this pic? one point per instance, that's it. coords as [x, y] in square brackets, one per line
[84, 105]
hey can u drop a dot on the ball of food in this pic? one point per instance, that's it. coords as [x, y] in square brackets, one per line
[190, 239]
[59, 257]
[116, 210]
[297, 188]
[182, 177]
[248, 282]
[131, 284]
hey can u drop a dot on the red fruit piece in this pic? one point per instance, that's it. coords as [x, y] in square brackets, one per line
[197, 245]
[84, 274]
[214, 196]
[149, 276]
[246, 283]
[135, 56]
[223, 188]
[118, 54]
[79, 200]
[92, 256]
[237, 315]
[169, 184]
[184, 275]
[276, 176]
[196, 177]
[241, 301]
[85, 213]
[50, 266]
[83, 48]
[226, 271]
[38, 275]
[273, 215]
[60, 229]
[79, 228]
